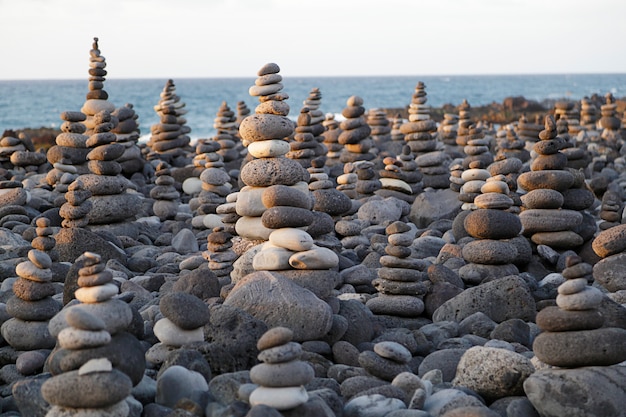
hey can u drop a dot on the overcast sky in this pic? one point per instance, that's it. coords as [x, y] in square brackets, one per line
[50, 39]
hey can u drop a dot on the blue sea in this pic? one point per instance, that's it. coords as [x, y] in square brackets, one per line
[39, 103]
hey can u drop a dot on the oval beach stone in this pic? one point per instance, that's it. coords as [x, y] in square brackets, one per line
[492, 224]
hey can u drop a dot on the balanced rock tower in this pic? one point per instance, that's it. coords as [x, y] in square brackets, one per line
[97, 98]
[355, 135]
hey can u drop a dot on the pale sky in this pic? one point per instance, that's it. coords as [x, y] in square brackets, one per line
[50, 39]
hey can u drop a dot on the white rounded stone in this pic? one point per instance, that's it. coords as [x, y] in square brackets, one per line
[586, 299]
[72, 338]
[96, 294]
[291, 238]
[268, 148]
[171, 335]
[279, 398]
[192, 185]
[314, 258]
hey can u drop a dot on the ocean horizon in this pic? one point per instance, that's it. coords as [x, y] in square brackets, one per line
[39, 103]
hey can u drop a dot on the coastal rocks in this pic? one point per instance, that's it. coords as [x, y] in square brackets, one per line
[169, 138]
[592, 391]
[281, 375]
[571, 326]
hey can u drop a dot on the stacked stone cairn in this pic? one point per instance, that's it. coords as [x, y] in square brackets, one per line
[281, 376]
[477, 148]
[401, 281]
[588, 114]
[183, 318]
[169, 138]
[94, 387]
[97, 98]
[490, 254]
[225, 123]
[111, 194]
[69, 154]
[219, 254]
[512, 147]
[317, 128]
[386, 360]
[331, 141]
[611, 209]
[327, 199]
[608, 273]
[573, 332]
[567, 111]
[396, 143]
[420, 130]
[165, 195]
[304, 146]
[380, 128]
[243, 111]
[13, 200]
[528, 131]
[610, 124]
[32, 305]
[127, 132]
[544, 219]
[400, 178]
[355, 135]
[24, 160]
[447, 134]
[75, 210]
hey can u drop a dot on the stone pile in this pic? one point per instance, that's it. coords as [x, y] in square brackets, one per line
[97, 98]
[331, 141]
[165, 195]
[281, 375]
[396, 142]
[304, 147]
[447, 134]
[420, 131]
[400, 178]
[572, 331]
[127, 132]
[75, 211]
[528, 131]
[568, 112]
[226, 125]
[608, 273]
[588, 114]
[611, 210]
[512, 147]
[610, 124]
[380, 128]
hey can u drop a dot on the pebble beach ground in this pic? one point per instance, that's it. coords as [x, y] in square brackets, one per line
[368, 267]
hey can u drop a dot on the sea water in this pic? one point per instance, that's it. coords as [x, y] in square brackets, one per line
[39, 103]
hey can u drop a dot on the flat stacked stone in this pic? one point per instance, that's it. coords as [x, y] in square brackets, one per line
[331, 141]
[281, 375]
[508, 170]
[169, 138]
[477, 147]
[355, 133]
[610, 124]
[165, 195]
[386, 360]
[401, 177]
[75, 211]
[110, 197]
[420, 130]
[611, 210]
[226, 125]
[401, 281]
[545, 220]
[44, 239]
[184, 316]
[512, 147]
[471, 181]
[491, 254]
[219, 254]
[68, 155]
[572, 331]
[243, 111]
[228, 213]
[396, 142]
[528, 131]
[32, 305]
[588, 114]
[304, 147]
[380, 128]
[266, 134]
[97, 98]
[128, 133]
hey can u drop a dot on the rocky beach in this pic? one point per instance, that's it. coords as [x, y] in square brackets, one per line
[410, 262]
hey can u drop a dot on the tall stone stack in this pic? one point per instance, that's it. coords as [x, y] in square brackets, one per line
[169, 138]
[567, 111]
[317, 128]
[266, 134]
[111, 196]
[355, 136]
[166, 197]
[97, 98]
[127, 132]
[304, 147]
[588, 114]
[219, 254]
[68, 155]
[544, 219]
[610, 124]
[31, 306]
[380, 129]
[491, 254]
[447, 133]
[225, 123]
[331, 141]
[396, 143]
[477, 148]
[327, 199]
[465, 120]
[573, 332]
[420, 130]
[528, 131]
[401, 281]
